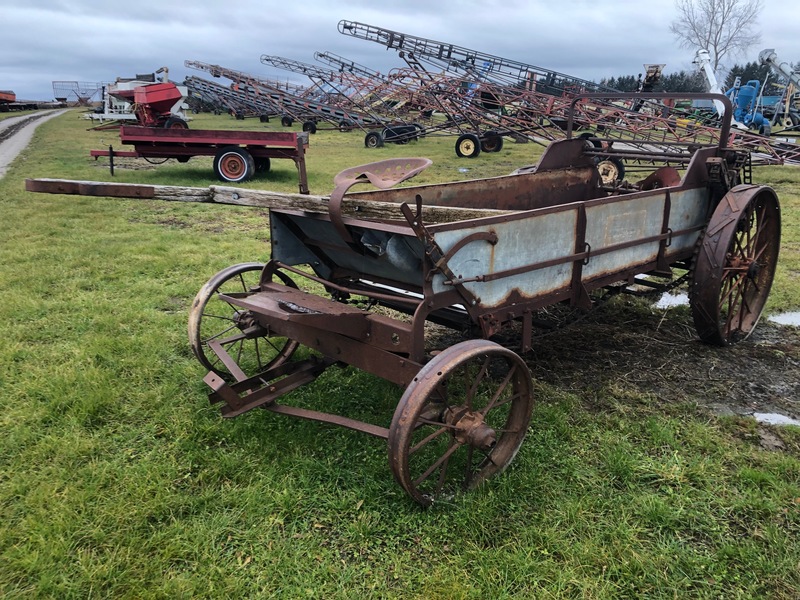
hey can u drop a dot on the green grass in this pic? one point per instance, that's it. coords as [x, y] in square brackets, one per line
[117, 479]
[15, 113]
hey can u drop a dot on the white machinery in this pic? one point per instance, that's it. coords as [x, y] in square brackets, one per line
[783, 69]
[702, 60]
[768, 57]
[118, 98]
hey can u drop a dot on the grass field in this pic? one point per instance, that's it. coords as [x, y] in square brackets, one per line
[118, 479]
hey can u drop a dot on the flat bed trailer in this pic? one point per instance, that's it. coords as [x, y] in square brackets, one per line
[360, 278]
[238, 155]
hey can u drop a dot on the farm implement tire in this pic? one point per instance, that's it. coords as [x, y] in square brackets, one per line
[175, 123]
[734, 265]
[492, 142]
[310, 127]
[611, 169]
[460, 421]
[234, 164]
[211, 318]
[287, 121]
[373, 140]
[468, 146]
[263, 164]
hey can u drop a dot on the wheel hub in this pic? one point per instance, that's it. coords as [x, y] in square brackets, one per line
[470, 428]
[247, 323]
[744, 265]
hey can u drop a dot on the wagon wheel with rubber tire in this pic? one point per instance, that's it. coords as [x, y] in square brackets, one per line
[175, 123]
[492, 142]
[373, 139]
[590, 141]
[468, 145]
[345, 125]
[310, 127]
[263, 164]
[611, 170]
[252, 347]
[734, 265]
[460, 421]
[287, 121]
[234, 164]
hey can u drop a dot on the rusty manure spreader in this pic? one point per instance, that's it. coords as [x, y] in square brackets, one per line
[357, 279]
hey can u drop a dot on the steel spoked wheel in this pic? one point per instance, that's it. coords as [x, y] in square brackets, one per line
[213, 319]
[460, 421]
[735, 265]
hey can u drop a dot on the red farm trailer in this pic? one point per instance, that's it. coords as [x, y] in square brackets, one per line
[238, 155]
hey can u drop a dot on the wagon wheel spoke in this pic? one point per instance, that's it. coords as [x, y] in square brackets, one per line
[427, 440]
[469, 469]
[500, 389]
[223, 332]
[441, 461]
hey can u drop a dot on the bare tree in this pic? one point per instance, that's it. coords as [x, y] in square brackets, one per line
[723, 27]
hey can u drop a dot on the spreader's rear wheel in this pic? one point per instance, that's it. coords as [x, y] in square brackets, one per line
[734, 265]
[460, 421]
[211, 318]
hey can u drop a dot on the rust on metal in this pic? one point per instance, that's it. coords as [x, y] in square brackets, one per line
[361, 288]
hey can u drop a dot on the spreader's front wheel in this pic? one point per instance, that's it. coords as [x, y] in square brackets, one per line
[734, 265]
[460, 421]
[211, 318]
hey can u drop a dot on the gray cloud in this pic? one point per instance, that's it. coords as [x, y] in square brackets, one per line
[90, 41]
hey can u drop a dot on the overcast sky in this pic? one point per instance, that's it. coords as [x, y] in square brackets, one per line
[96, 41]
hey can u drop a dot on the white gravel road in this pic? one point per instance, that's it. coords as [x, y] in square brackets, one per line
[16, 134]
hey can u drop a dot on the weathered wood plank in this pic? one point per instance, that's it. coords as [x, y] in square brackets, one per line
[354, 206]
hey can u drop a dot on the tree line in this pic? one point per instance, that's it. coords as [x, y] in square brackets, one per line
[694, 81]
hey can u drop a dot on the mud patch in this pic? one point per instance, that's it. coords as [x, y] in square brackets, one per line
[770, 441]
[631, 345]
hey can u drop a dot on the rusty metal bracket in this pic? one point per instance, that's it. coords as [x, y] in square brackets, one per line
[434, 253]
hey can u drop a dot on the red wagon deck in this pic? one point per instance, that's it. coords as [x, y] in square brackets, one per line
[238, 155]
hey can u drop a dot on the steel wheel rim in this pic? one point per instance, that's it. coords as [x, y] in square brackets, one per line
[436, 439]
[748, 271]
[211, 318]
[734, 270]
